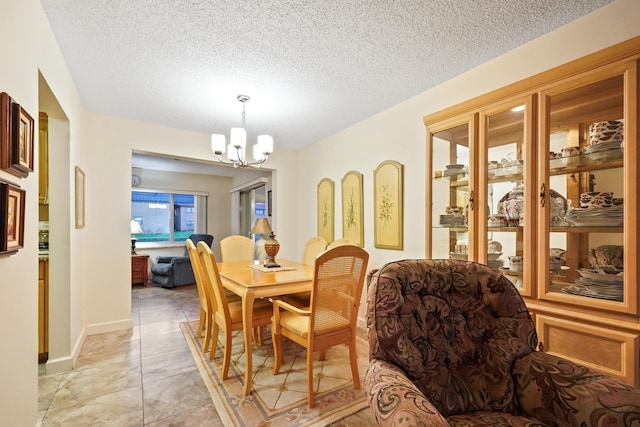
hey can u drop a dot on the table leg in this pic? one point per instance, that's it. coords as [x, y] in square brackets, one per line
[247, 319]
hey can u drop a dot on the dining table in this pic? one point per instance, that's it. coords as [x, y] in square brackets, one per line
[253, 280]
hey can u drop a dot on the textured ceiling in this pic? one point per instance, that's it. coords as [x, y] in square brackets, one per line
[311, 68]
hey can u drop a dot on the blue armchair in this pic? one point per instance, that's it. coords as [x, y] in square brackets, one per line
[172, 271]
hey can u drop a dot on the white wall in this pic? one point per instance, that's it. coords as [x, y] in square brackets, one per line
[102, 146]
[399, 133]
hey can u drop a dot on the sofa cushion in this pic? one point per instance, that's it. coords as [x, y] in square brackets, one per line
[493, 419]
[454, 328]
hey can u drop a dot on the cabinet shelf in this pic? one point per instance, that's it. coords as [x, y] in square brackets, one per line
[586, 163]
[600, 229]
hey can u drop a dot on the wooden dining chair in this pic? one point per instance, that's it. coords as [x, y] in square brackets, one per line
[237, 248]
[206, 311]
[330, 320]
[312, 248]
[227, 315]
[339, 242]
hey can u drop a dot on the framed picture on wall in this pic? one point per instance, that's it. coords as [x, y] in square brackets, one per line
[388, 205]
[12, 202]
[326, 209]
[80, 198]
[16, 138]
[22, 145]
[352, 208]
[269, 203]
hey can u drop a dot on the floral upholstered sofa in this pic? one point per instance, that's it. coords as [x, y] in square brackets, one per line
[452, 343]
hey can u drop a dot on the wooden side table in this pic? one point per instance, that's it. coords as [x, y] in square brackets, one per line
[139, 269]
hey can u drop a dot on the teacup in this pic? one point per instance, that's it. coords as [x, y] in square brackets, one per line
[515, 263]
[454, 210]
[497, 220]
[555, 263]
[570, 151]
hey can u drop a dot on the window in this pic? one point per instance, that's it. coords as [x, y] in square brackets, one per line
[168, 217]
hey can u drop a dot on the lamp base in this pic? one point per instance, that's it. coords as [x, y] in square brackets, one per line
[133, 246]
[271, 246]
[271, 264]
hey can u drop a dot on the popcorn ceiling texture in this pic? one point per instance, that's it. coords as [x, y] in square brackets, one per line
[311, 67]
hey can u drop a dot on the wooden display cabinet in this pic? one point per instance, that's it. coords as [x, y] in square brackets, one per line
[590, 317]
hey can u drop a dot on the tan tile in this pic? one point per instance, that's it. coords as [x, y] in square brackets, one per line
[47, 387]
[160, 366]
[160, 328]
[204, 416]
[159, 344]
[120, 408]
[174, 395]
[86, 384]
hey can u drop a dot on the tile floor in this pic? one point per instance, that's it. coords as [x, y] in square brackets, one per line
[144, 376]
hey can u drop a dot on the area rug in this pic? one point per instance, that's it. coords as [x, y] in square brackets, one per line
[280, 400]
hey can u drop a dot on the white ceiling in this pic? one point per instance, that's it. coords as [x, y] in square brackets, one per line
[311, 68]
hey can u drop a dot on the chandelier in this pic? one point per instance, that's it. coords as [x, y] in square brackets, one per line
[236, 152]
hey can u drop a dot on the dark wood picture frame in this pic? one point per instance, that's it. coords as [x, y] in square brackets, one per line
[269, 203]
[16, 137]
[12, 204]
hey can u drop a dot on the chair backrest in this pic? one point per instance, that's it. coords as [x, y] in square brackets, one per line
[312, 248]
[339, 275]
[195, 238]
[212, 282]
[196, 265]
[237, 248]
[340, 242]
[454, 327]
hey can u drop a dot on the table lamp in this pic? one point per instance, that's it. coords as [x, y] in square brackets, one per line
[135, 229]
[270, 246]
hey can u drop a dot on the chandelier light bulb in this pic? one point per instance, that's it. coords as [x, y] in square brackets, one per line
[238, 142]
[217, 143]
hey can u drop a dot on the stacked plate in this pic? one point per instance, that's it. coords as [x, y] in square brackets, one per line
[605, 151]
[453, 219]
[454, 169]
[598, 283]
[596, 217]
[605, 139]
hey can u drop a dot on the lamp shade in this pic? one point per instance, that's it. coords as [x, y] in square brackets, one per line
[265, 142]
[217, 143]
[135, 228]
[238, 138]
[261, 226]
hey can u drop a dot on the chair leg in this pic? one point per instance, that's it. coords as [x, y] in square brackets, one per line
[260, 336]
[207, 334]
[277, 350]
[227, 354]
[323, 354]
[201, 323]
[353, 355]
[310, 377]
[214, 341]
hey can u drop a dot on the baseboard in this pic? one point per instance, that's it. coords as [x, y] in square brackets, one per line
[101, 328]
[59, 365]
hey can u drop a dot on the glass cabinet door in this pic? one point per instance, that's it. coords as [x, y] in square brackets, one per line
[450, 189]
[584, 204]
[503, 200]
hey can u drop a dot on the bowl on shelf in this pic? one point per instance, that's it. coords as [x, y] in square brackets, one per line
[493, 256]
[460, 257]
[455, 166]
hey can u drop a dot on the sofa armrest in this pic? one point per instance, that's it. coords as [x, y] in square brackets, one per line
[395, 400]
[164, 259]
[181, 260]
[559, 391]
